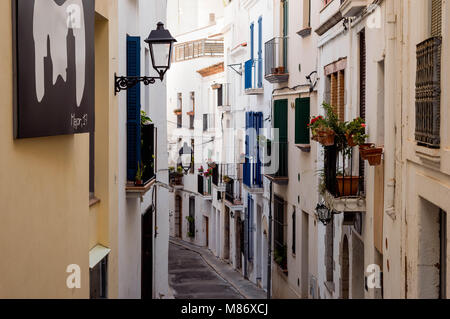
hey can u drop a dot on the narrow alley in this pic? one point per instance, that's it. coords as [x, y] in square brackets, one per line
[195, 274]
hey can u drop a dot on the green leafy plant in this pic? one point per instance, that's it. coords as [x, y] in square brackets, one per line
[357, 130]
[280, 256]
[145, 120]
[226, 179]
[140, 171]
[171, 169]
[190, 234]
[190, 219]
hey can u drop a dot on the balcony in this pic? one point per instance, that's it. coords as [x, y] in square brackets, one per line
[351, 8]
[197, 49]
[176, 179]
[253, 176]
[233, 194]
[276, 169]
[343, 181]
[276, 70]
[223, 96]
[204, 187]
[253, 77]
[147, 163]
[428, 93]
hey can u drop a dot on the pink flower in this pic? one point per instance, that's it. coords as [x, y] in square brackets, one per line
[364, 125]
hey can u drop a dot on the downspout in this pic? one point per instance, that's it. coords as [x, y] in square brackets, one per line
[269, 246]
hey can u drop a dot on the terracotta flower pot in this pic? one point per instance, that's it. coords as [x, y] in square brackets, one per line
[348, 185]
[281, 70]
[274, 70]
[363, 149]
[138, 182]
[373, 155]
[326, 138]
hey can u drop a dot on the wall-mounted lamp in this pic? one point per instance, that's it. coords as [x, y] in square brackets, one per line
[312, 79]
[160, 42]
[185, 159]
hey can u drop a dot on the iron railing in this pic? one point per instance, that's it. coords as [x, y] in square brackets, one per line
[428, 93]
[233, 191]
[276, 56]
[148, 152]
[204, 185]
[341, 173]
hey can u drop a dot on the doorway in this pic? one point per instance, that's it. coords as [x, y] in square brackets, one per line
[239, 230]
[178, 215]
[226, 229]
[147, 256]
[345, 270]
[206, 223]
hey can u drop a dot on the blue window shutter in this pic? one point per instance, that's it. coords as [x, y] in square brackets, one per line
[260, 52]
[133, 108]
[250, 227]
[258, 178]
[252, 39]
[248, 74]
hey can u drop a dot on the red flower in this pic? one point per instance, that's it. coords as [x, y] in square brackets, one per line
[364, 125]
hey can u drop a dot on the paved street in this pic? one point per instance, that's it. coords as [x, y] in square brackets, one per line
[190, 277]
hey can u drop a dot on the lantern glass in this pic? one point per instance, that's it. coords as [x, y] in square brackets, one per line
[161, 55]
[186, 157]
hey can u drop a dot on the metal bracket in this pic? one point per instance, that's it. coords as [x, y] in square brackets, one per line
[123, 83]
[238, 71]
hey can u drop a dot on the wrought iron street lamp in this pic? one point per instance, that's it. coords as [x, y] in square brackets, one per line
[160, 42]
[324, 214]
[185, 159]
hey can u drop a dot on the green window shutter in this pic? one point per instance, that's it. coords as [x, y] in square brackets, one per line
[280, 111]
[302, 114]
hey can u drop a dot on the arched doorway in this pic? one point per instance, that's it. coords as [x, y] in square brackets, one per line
[178, 217]
[345, 270]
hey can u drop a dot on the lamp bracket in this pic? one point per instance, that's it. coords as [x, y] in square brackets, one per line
[123, 83]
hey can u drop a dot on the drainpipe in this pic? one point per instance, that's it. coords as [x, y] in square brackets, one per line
[269, 246]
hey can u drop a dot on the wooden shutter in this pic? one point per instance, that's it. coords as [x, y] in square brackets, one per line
[302, 115]
[362, 97]
[281, 123]
[133, 108]
[280, 118]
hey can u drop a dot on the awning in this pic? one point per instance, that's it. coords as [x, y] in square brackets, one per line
[97, 254]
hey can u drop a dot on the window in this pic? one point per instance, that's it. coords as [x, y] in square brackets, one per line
[280, 120]
[180, 110]
[306, 13]
[191, 217]
[294, 239]
[220, 96]
[192, 157]
[335, 94]
[428, 83]
[280, 252]
[98, 280]
[302, 118]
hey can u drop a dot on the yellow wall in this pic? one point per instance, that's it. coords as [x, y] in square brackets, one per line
[44, 192]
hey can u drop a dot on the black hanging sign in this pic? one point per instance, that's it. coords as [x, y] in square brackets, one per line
[54, 67]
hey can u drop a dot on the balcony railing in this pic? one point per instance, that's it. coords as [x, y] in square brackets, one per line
[343, 173]
[233, 193]
[175, 179]
[224, 95]
[276, 70]
[428, 93]
[148, 152]
[204, 185]
[197, 49]
[253, 77]
[252, 174]
[277, 168]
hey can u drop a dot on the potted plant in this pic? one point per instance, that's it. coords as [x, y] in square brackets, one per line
[208, 173]
[347, 185]
[281, 70]
[200, 170]
[139, 174]
[145, 119]
[190, 234]
[321, 131]
[371, 153]
[177, 111]
[280, 257]
[356, 132]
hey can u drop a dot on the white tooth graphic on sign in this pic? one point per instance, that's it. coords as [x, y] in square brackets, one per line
[55, 30]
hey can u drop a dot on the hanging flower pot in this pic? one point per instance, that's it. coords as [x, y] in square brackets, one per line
[348, 185]
[177, 112]
[373, 155]
[326, 138]
[364, 148]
